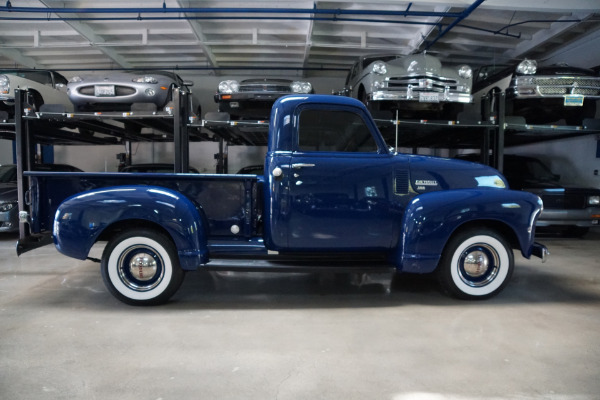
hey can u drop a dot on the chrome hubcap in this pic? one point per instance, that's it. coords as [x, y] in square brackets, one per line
[142, 267]
[479, 265]
[476, 264]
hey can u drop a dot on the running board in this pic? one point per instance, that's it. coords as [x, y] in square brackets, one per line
[222, 264]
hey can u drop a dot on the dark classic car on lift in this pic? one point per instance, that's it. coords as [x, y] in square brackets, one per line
[541, 95]
[417, 86]
[253, 98]
[569, 209]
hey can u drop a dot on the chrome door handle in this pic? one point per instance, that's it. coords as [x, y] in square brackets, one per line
[301, 165]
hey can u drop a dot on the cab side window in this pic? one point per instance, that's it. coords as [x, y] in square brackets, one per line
[340, 131]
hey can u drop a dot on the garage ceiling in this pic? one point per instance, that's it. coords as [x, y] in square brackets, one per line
[314, 37]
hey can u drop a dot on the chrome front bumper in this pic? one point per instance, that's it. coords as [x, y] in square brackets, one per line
[423, 97]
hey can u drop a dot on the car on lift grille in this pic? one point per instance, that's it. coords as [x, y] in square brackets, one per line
[541, 95]
[119, 90]
[253, 98]
[416, 86]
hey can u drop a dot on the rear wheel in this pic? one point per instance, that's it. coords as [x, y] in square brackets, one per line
[140, 267]
[476, 264]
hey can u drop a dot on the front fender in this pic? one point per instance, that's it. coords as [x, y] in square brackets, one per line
[431, 218]
[80, 219]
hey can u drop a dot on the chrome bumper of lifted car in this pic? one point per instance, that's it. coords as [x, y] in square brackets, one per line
[424, 97]
[586, 217]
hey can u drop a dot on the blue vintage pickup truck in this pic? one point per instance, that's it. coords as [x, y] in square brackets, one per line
[334, 197]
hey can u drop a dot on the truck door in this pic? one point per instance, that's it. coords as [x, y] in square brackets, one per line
[340, 183]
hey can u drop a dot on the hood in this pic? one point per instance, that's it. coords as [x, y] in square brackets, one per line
[564, 69]
[418, 64]
[8, 192]
[429, 174]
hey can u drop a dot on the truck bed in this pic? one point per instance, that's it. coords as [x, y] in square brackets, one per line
[226, 200]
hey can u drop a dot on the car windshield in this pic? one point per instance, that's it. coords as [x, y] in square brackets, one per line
[8, 173]
[42, 77]
[535, 168]
[529, 169]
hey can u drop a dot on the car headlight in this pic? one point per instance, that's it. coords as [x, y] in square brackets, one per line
[380, 68]
[7, 206]
[527, 67]
[594, 200]
[144, 79]
[465, 72]
[4, 84]
[76, 79]
[301, 87]
[229, 87]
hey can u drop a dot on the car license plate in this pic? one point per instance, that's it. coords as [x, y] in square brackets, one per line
[104, 90]
[574, 100]
[429, 98]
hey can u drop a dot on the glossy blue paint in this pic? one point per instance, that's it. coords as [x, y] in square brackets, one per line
[431, 218]
[81, 219]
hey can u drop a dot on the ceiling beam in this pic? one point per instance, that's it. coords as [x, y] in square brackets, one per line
[19, 58]
[88, 33]
[543, 36]
[197, 29]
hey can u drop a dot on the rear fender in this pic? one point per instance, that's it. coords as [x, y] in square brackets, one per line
[431, 219]
[81, 219]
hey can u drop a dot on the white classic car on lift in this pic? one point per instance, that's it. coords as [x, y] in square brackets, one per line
[44, 87]
[417, 85]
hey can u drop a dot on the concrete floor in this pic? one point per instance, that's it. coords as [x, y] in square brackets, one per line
[63, 336]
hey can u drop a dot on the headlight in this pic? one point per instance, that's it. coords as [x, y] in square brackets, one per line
[4, 84]
[527, 67]
[594, 200]
[465, 72]
[144, 79]
[380, 68]
[301, 87]
[7, 206]
[229, 87]
[75, 79]
[378, 85]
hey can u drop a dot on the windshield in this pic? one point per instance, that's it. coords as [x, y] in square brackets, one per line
[8, 173]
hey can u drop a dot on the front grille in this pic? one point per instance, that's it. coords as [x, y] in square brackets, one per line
[429, 83]
[119, 90]
[564, 201]
[568, 90]
[401, 182]
[588, 86]
[261, 87]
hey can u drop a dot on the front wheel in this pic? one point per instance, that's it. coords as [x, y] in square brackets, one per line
[140, 267]
[476, 264]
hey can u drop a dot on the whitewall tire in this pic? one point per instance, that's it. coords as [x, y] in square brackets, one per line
[140, 267]
[476, 264]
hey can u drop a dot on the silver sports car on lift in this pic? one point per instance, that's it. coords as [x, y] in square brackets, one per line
[118, 90]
